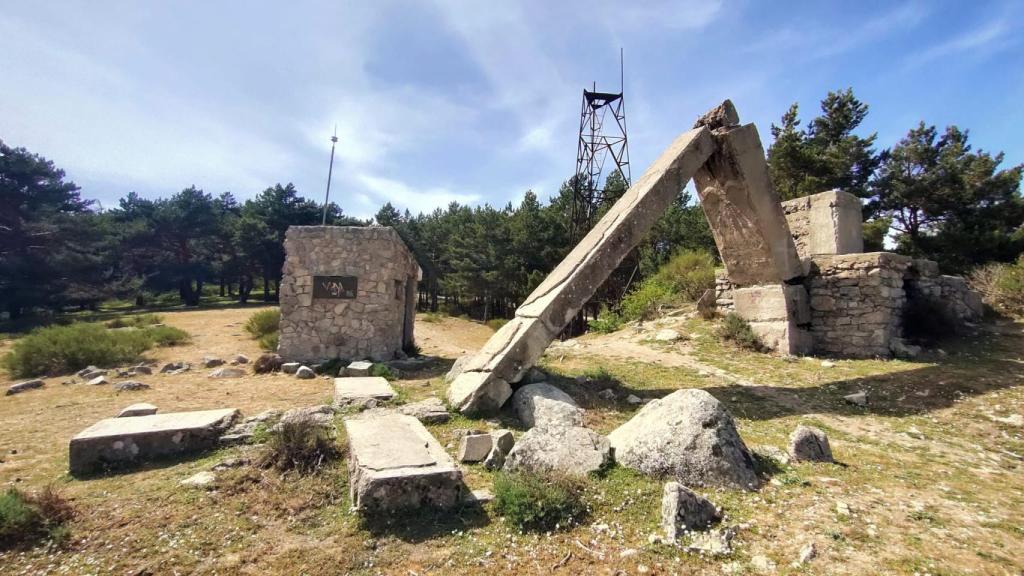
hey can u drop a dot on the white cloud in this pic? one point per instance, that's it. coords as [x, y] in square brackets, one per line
[416, 199]
[986, 36]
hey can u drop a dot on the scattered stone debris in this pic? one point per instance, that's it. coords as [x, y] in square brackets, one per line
[354, 390]
[305, 373]
[807, 444]
[91, 373]
[474, 447]
[227, 372]
[230, 463]
[267, 363]
[359, 368]
[607, 394]
[98, 381]
[807, 553]
[843, 509]
[502, 443]
[200, 480]
[211, 361]
[857, 398]
[1011, 420]
[429, 411]
[140, 409]
[239, 359]
[714, 542]
[130, 386]
[141, 369]
[762, 564]
[244, 431]
[571, 450]
[684, 510]
[175, 368]
[290, 367]
[687, 435]
[24, 386]
[634, 399]
[321, 415]
[543, 405]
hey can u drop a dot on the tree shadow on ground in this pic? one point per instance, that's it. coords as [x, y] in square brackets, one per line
[426, 524]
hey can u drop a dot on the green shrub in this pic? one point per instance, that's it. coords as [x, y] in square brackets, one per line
[496, 323]
[737, 330]
[269, 341]
[1001, 286]
[29, 518]
[432, 317]
[536, 502]
[299, 444]
[383, 371]
[607, 321]
[166, 335]
[263, 322]
[647, 300]
[688, 274]
[140, 321]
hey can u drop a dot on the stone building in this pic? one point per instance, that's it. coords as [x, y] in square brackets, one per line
[347, 292]
[854, 302]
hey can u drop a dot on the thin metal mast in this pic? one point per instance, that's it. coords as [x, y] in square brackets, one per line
[330, 171]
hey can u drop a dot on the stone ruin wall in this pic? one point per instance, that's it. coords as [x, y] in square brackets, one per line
[375, 324]
[857, 299]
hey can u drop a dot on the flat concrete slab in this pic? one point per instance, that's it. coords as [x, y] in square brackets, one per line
[356, 389]
[395, 464]
[126, 441]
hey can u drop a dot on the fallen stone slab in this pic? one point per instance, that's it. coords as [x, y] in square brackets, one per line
[544, 405]
[93, 374]
[395, 464]
[227, 372]
[359, 368]
[807, 444]
[140, 409]
[349, 390]
[98, 381]
[130, 386]
[689, 436]
[484, 385]
[683, 509]
[118, 442]
[429, 411]
[90, 368]
[24, 386]
[502, 443]
[175, 368]
[474, 447]
[571, 450]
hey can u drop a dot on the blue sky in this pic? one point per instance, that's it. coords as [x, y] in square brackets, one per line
[468, 101]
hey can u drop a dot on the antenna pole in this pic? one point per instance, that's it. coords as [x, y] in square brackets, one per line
[330, 171]
[622, 74]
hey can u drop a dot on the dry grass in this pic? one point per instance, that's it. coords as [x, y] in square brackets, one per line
[933, 483]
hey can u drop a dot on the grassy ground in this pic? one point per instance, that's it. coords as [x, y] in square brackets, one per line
[930, 476]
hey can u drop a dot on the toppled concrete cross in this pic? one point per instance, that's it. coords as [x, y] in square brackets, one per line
[484, 385]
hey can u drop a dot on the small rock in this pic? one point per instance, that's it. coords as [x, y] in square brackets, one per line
[807, 444]
[842, 508]
[211, 361]
[140, 369]
[634, 399]
[581, 380]
[479, 497]
[475, 447]
[1011, 420]
[305, 373]
[502, 442]
[807, 553]
[606, 394]
[763, 564]
[429, 411]
[175, 368]
[227, 372]
[857, 398]
[321, 415]
[543, 405]
[92, 374]
[683, 509]
[23, 386]
[359, 368]
[290, 367]
[81, 373]
[827, 364]
[140, 409]
[230, 463]
[200, 480]
[239, 359]
[714, 542]
[130, 385]
[97, 381]
[666, 335]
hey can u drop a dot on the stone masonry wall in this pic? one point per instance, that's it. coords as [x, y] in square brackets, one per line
[376, 323]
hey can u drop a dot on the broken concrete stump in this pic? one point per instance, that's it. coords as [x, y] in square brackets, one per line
[483, 386]
[349, 390]
[395, 464]
[126, 441]
[779, 314]
[742, 207]
[825, 223]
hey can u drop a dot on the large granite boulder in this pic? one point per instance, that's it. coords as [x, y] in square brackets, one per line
[687, 435]
[542, 405]
[571, 450]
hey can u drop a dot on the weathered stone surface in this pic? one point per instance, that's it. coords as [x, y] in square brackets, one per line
[457, 368]
[807, 444]
[857, 398]
[321, 415]
[683, 509]
[544, 405]
[140, 369]
[395, 464]
[212, 361]
[305, 373]
[175, 368]
[687, 435]
[126, 441]
[514, 349]
[24, 386]
[744, 211]
[429, 411]
[200, 479]
[98, 381]
[130, 386]
[87, 370]
[571, 450]
[92, 374]
[376, 323]
[773, 302]
[239, 359]
[227, 372]
[359, 368]
[474, 447]
[666, 335]
[502, 443]
[352, 389]
[243, 431]
[825, 223]
[290, 367]
[140, 409]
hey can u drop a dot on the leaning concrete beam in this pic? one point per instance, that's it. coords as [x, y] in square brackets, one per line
[741, 205]
[484, 385]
